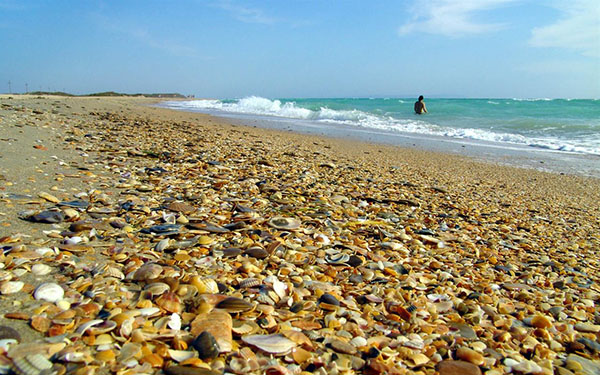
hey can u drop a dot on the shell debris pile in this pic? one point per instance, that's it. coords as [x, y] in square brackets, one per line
[195, 250]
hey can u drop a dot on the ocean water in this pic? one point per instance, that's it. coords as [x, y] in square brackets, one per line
[568, 126]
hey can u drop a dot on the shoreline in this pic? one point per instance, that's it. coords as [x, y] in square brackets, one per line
[432, 260]
[515, 155]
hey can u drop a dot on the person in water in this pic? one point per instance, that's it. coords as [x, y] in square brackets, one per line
[420, 106]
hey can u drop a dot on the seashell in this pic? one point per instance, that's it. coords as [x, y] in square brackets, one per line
[5, 344]
[48, 197]
[87, 325]
[256, 252]
[337, 258]
[280, 288]
[164, 230]
[46, 217]
[149, 271]
[284, 223]
[181, 355]
[170, 302]
[250, 283]
[180, 207]
[174, 322]
[41, 269]
[162, 244]
[32, 364]
[273, 344]
[219, 324]
[157, 288]
[206, 346]
[329, 299]
[359, 341]
[244, 327]
[50, 292]
[231, 252]
[104, 327]
[149, 311]
[234, 305]
[189, 370]
[205, 285]
[10, 287]
[7, 332]
[418, 359]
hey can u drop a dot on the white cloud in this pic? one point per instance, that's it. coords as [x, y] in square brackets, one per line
[245, 14]
[578, 29]
[452, 18]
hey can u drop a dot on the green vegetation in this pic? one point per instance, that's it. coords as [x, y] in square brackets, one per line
[110, 93]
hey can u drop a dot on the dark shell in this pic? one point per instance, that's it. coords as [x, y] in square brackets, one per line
[7, 332]
[256, 252]
[329, 299]
[212, 228]
[47, 217]
[234, 305]
[74, 204]
[164, 229]
[206, 345]
[231, 252]
[354, 261]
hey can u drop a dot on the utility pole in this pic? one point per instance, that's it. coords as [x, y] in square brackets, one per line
[9, 89]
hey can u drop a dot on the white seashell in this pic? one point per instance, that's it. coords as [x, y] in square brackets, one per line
[10, 287]
[6, 343]
[162, 244]
[41, 269]
[19, 272]
[149, 311]
[174, 322]
[74, 240]
[87, 325]
[280, 288]
[50, 292]
[181, 355]
[43, 251]
[359, 341]
[273, 344]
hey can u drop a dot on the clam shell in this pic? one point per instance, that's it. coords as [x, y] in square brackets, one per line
[10, 287]
[41, 269]
[249, 283]
[273, 344]
[181, 207]
[256, 252]
[206, 346]
[337, 258]
[50, 292]
[284, 223]
[244, 327]
[235, 305]
[148, 271]
[181, 355]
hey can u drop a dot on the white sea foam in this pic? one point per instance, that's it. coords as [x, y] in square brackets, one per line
[255, 105]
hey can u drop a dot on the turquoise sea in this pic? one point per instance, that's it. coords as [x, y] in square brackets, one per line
[570, 126]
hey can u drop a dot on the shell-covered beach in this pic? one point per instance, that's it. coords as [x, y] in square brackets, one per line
[141, 240]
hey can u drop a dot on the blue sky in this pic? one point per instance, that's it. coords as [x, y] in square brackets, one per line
[304, 48]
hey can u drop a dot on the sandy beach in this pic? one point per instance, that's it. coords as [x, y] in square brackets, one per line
[181, 243]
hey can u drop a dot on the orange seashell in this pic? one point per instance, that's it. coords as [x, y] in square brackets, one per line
[40, 323]
[170, 302]
[57, 330]
[306, 325]
[219, 324]
[17, 316]
[106, 356]
[153, 359]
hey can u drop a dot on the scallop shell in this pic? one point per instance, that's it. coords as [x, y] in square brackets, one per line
[273, 344]
[181, 207]
[284, 223]
[170, 302]
[337, 258]
[205, 285]
[50, 292]
[148, 271]
[249, 283]
[244, 327]
[32, 364]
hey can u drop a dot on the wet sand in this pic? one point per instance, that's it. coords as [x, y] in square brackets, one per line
[497, 262]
